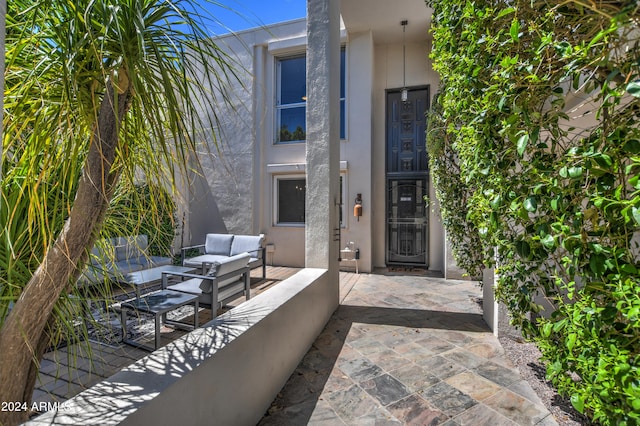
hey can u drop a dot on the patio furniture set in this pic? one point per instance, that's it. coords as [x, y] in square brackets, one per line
[217, 274]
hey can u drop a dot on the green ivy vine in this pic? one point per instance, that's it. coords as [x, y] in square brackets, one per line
[453, 195]
[540, 108]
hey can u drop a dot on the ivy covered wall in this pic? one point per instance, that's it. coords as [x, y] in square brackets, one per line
[538, 134]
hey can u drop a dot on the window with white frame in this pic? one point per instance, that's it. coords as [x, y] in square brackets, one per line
[291, 98]
[289, 199]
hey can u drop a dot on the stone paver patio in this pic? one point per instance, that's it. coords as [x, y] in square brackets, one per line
[407, 350]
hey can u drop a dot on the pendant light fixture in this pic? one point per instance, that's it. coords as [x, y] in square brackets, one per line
[404, 93]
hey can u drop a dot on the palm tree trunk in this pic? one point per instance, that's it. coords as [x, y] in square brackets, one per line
[23, 337]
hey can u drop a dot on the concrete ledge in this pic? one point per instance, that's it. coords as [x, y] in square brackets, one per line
[227, 372]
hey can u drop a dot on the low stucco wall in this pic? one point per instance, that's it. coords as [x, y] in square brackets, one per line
[227, 372]
[489, 305]
[495, 314]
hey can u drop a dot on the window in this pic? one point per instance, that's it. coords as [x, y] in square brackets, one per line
[290, 198]
[291, 102]
[291, 98]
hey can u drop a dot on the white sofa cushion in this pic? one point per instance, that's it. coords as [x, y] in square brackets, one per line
[219, 244]
[103, 252]
[131, 247]
[197, 261]
[115, 257]
[192, 286]
[247, 244]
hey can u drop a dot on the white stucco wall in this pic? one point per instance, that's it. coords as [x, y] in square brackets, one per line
[240, 177]
[356, 148]
[288, 241]
[231, 195]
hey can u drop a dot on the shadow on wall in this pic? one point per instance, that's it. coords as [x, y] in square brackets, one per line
[204, 215]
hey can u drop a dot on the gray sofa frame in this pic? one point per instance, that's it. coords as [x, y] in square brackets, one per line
[226, 280]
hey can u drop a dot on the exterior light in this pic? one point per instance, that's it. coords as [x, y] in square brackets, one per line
[404, 94]
[357, 208]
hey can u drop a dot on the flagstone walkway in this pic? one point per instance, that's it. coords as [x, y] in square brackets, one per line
[407, 350]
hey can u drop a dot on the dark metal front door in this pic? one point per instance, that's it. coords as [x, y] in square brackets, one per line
[407, 177]
[407, 223]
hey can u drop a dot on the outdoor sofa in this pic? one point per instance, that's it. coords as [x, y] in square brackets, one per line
[225, 280]
[218, 247]
[113, 258]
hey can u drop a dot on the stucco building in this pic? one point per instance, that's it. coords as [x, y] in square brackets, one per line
[254, 182]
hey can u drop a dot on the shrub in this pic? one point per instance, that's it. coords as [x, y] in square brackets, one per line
[453, 194]
[558, 196]
[143, 209]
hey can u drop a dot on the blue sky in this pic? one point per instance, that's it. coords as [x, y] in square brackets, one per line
[253, 13]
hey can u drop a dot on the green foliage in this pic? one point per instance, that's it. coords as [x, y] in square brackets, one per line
[23, 236]
[453, 194]
[58, 63]
[63, 61]
[287, 136]
[143, 209]
[541, 105]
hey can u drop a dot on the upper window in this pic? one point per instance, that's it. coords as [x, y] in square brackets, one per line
[292, 97]
[291, 101]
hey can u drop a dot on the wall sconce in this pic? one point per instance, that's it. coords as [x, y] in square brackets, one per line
[357, 208]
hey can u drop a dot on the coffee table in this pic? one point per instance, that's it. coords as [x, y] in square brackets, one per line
[140, 279]
[158, 304]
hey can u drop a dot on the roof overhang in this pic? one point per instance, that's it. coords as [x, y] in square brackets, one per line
[383, 18]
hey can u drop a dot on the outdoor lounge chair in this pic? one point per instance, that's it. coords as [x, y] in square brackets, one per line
[226, 280]
[218, 247]
[114, 258]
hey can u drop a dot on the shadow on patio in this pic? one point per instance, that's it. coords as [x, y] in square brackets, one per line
[407, 350]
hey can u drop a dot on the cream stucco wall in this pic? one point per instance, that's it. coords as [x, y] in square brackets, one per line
[240, 176]
[356, 149]
[388, 71]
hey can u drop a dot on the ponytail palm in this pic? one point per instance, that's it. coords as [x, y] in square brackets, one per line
[95, 93]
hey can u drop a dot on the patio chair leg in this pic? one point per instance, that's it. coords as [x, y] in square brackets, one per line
[157, 336]
[196, 312]
[247, 285]
[123, 320]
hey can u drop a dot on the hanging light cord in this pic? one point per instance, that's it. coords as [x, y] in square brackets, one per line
[404, 53]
